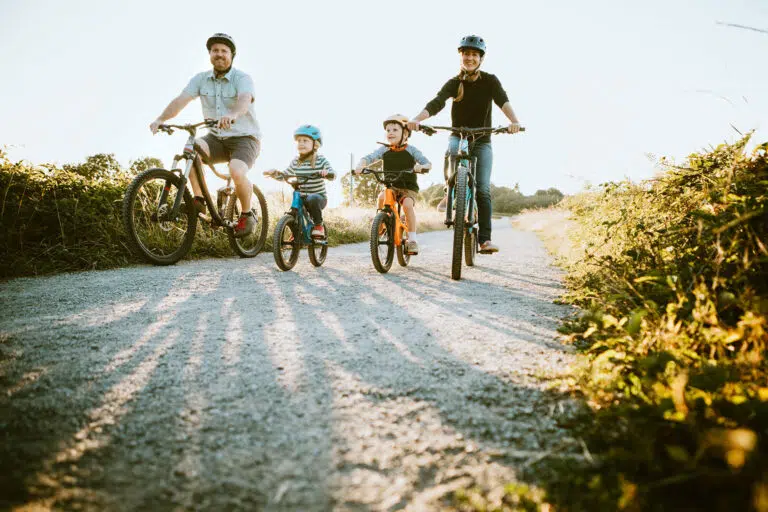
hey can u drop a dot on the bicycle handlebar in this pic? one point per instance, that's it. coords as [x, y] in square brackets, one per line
[168, 128]
[281, 176]
[368, 170]
[386, 177]
[431, 130]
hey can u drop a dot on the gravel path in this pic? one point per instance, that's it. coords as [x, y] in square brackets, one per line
[227, 384]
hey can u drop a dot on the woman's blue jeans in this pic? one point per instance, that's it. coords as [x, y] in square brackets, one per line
[484, 154]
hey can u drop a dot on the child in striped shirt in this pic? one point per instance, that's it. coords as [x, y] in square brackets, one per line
[308, 140]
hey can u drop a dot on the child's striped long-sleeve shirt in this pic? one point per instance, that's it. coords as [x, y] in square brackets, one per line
[305, 167]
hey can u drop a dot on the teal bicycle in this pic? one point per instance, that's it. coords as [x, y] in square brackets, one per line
[461, 209]
[294, 229]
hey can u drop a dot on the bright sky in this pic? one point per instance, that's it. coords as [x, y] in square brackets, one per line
[598, 84]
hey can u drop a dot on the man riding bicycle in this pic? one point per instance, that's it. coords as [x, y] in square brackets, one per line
[226, 95]
[472, 91]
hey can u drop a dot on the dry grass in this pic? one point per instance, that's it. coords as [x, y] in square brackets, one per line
[553, 225]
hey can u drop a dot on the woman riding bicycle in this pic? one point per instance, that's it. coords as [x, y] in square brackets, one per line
[472, 91]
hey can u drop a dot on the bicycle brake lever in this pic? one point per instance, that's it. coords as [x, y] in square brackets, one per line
[427, 130]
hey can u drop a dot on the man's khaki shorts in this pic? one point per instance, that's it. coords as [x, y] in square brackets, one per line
[245, 149]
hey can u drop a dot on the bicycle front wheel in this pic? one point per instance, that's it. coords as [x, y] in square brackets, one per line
[286, 243]
[249, 246]
[460, 201]
[382, 242]
[152, 232]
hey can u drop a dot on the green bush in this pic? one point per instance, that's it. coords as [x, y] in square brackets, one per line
[56, 219]
[505, 200]
[674, 284]
[61, 219]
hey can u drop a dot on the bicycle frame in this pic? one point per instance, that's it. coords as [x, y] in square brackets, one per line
[392, 207]
[300, 213]
[461, 158]
[191, 155]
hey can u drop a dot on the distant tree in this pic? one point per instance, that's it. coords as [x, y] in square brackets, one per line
[142, 164]
[365, 189]
[99, 166]
[433, 194]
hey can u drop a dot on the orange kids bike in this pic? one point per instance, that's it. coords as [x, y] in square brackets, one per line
[389, 231]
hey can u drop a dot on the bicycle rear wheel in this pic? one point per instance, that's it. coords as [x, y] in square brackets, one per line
[470, 237]
[470, 247]
[460, 202]
[403, 256]
[146, 205]
[382, 242]
[318, 251]
[286, 243]
[249, 246]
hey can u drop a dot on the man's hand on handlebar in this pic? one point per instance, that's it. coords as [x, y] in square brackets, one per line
[154, 126]
[513, 127]
[423, 169]
[225, 123]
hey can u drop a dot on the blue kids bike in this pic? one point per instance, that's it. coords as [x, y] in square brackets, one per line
[293, 230]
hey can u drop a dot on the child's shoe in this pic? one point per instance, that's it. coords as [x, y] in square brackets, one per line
[318, 232]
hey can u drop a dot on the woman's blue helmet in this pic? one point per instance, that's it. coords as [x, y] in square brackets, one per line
[474, 42]
[313, 132]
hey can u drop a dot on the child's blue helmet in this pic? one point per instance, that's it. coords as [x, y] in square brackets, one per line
[307, 130]
[474, 42]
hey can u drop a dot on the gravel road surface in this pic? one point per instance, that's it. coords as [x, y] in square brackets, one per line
[227, 384]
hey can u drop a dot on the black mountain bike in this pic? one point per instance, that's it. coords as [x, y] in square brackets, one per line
[160, 215]
[461, 209]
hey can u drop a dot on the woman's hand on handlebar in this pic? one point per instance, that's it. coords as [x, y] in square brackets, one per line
[514, 128]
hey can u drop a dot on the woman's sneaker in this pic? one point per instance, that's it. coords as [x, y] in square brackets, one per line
[412, 247]
[318, 231]
[488, 247]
